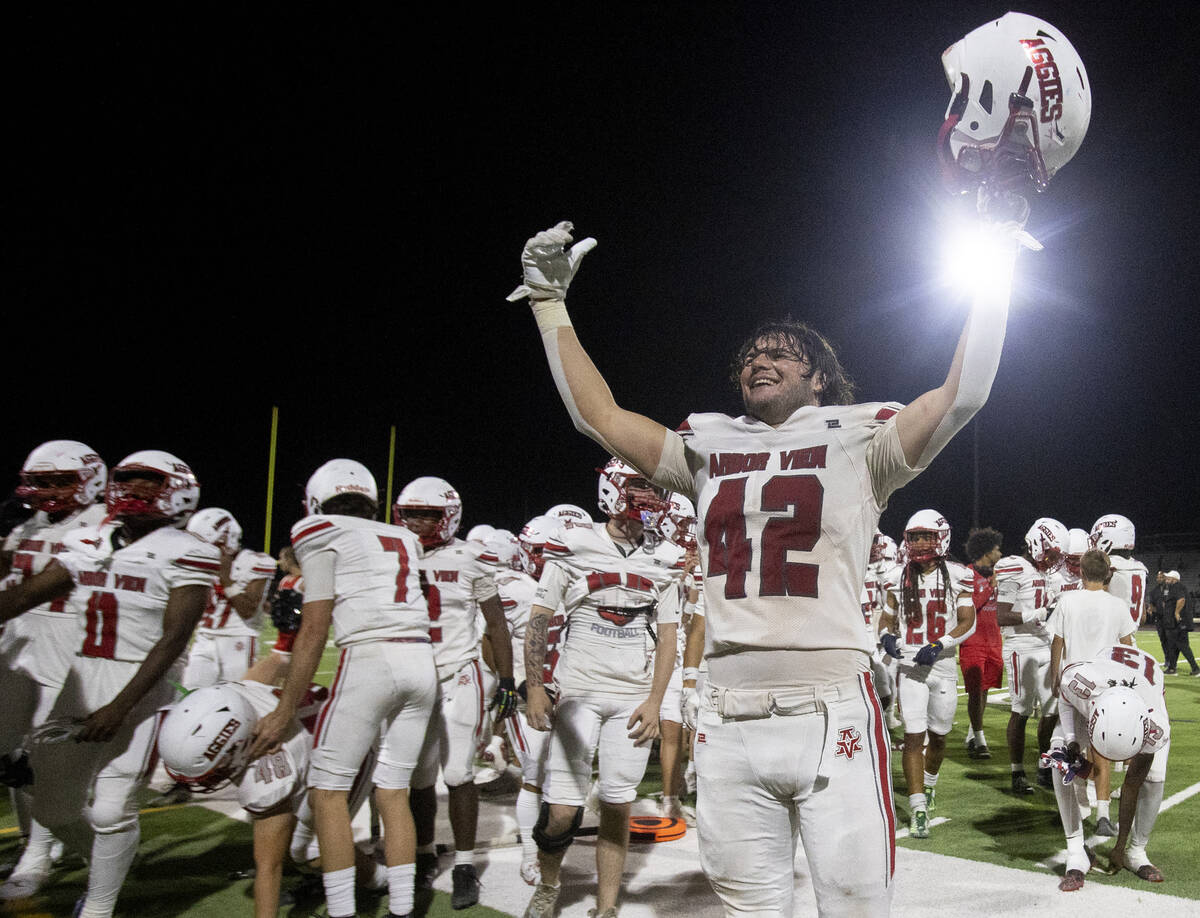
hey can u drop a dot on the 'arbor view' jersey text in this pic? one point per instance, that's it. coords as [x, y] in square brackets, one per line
[123, 590]
[612, 600]
[377, 589]
[455, 582]
[786, 520]
[35, 543]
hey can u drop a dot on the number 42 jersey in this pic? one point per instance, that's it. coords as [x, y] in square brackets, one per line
[786, 519]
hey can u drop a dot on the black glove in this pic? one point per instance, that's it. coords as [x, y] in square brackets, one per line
[504, 702]
[285, 611]
[16, 772]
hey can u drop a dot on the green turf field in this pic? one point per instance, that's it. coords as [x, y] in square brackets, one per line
[188, 853]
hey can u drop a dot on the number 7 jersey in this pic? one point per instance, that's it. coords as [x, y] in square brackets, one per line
[786, 520]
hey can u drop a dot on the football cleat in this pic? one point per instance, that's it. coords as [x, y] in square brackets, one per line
[1021, 785]
[1105, 827]
[1072, 881]
[427, 870]
[1044, 779]
[544, 902]
[918, 826]
[466, 886]
[930, 798]
[1150, 874]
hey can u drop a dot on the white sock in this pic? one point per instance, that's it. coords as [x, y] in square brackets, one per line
[917, 802]
[379, 877]
[112, 854]
[930, 780]
[339, 892]
[529, 805]
[464, 857]
[38, 856]
[1148, 803]
[980, 738]
[1102, 809]
[400, 880]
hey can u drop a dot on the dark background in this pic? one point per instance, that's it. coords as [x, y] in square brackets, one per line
[212, 212]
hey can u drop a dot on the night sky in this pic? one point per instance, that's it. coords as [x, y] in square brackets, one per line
[208, 217]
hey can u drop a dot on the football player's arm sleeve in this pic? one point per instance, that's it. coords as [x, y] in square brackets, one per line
[928, 423]
[588, 400]
[52, 582]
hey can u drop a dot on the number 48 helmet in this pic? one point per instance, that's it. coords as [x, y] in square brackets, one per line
[205, 735]
[1020, 105]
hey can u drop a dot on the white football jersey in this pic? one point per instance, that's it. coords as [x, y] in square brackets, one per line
[376, 585]
[220, 618]
[35, 543]
[1128, 584]
[786, 520]
[1114, 666]
[123, 591]
[1023, 585]
[516, 590]
[278, 776]
[455, 581]
[939, 599]
[611, 600]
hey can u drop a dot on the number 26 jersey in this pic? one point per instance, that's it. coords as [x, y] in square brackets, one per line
[786, 519]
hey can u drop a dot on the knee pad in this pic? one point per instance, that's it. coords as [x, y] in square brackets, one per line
[554, 844]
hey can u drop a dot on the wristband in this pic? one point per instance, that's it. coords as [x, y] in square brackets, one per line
[691, 672]
[550, 314]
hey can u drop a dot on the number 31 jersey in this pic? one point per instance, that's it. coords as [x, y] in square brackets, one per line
[786, 520]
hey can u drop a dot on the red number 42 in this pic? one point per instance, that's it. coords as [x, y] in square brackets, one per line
[731, 552]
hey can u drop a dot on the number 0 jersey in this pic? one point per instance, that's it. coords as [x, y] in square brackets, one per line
[1113, 666]
[612, 600]
[123, 590]
[786, 520]
[369, 570]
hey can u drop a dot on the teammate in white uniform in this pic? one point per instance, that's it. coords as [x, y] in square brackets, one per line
[144, 583]
[1022, 607]
[360, 576]
[931, 612]
[788, 498]
[882, 567]
[62, 480]
[226, 640]
[623, 607]
[458, 587]
[1113, 703]
[1068, 578]
[1114, 535]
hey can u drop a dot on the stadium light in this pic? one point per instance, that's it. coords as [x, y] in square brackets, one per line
[979, 256]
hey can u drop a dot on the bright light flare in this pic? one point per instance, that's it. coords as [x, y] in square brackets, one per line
[977, 258]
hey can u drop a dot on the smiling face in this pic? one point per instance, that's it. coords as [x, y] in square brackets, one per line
[776, 379]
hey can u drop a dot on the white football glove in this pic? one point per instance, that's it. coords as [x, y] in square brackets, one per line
[690, 707]
[549, 262]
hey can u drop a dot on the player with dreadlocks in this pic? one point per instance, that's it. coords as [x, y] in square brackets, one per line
[918, 632]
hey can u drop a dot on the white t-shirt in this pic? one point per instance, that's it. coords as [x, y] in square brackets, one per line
[1088, 621]
[369, 570]
[786, 517]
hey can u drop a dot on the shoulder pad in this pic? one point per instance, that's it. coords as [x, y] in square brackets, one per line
[312, 533]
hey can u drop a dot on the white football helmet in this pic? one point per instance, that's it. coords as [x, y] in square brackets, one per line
[1047, 541]
[615, 500]
[1077, 544]
[1118, 721]
[677, 523]
[927, 521]
[883, 550]
[217, 527]
[480, 533]
[1112, 531]
[501, 550]
[1020, 105]
[430, 493]
[532, 543]
[173, 498]
[570, 512]
[205, 735]
[62, 475]
[339, 476]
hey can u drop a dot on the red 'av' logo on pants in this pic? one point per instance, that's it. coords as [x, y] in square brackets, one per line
[849, 743]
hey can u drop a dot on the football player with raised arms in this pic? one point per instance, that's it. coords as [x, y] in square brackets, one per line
[142, 583]
[623, 607]
[360, 575]
[227, 638]
[1114, 704]
[930, 613]
[63, 481]
[458, 588]
[1022, 608]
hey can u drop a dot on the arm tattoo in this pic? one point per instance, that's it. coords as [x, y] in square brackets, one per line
[535, 647]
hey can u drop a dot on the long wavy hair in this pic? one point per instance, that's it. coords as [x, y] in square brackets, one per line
[807, 343]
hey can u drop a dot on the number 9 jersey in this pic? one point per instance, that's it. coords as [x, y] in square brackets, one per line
[786, 517]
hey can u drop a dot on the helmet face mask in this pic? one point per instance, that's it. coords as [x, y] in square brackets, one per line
[927, 536]
[153, 485]
[431, 508]
[531, 544]
[62, 475]
[883, 550]
[677, 523]
[1020, 106]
